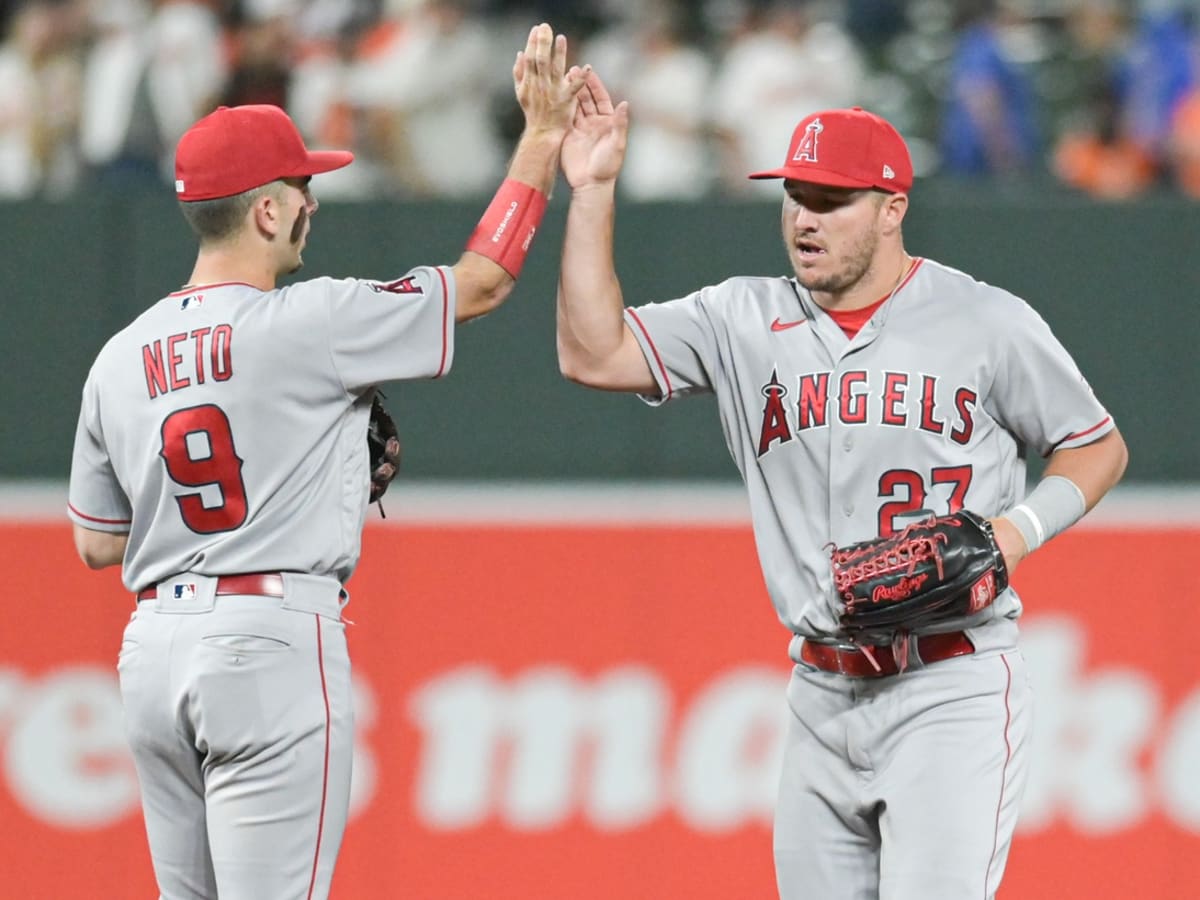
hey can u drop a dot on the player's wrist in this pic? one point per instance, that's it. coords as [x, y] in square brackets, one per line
[1011, 542]
[505, 233]
[537, 150]
[1052, 507]
[535, 161]
[543, 136]
[598, 190]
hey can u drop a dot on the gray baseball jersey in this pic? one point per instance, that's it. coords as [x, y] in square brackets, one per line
[931, 406]
[225, 431]
[258, 401]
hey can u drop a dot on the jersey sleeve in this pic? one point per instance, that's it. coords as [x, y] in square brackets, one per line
[679, 342]
[392, 330]
[95, 498]
[1039, 392]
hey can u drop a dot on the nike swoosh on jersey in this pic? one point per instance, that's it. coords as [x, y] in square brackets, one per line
[777, 325]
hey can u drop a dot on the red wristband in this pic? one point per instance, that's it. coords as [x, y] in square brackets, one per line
[506, 230]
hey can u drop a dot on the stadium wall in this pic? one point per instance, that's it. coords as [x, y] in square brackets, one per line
[1117, 282]
[575, 692]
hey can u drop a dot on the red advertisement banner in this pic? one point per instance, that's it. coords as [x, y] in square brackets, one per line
[595, 711]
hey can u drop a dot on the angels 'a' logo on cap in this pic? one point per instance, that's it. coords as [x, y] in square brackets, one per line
[806, 150]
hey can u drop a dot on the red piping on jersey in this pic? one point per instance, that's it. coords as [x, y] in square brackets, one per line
[193, 288]
[658, 359]
[312, 882]
[1079, 434]
[917, 260]
[445, 322]
[99, 521]
[1003, 774]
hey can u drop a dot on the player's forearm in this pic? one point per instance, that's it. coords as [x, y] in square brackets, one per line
[591, 327]
[1074, 481]
[1094, 469]
[535, 161]
[486, 274]
[99, 549]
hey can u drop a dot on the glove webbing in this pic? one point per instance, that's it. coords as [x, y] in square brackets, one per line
[908, 551]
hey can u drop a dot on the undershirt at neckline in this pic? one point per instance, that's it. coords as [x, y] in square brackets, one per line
[851, 321]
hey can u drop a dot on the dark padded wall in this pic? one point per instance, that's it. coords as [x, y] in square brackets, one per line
[1119, 284]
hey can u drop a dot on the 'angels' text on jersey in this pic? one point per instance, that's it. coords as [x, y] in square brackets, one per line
[862, 397]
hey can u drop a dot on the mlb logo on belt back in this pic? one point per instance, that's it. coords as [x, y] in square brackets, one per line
[185, 591]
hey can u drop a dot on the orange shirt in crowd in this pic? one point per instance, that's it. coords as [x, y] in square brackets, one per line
[1113, 171]
[1185, 144]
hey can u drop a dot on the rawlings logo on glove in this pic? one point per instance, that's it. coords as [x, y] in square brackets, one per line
[936, 570]
[901, 590]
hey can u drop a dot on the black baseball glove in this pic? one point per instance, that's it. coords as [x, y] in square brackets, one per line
[383, 445]
[942, 568]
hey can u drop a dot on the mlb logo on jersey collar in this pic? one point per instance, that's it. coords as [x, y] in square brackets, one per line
[192, 302]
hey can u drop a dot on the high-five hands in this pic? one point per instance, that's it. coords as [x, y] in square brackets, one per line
[544, 86]
[594, 148]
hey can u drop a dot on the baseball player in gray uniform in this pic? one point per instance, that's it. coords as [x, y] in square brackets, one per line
[221, 459]
[867, 389]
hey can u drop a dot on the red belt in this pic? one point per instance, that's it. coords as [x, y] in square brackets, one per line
[258, 584]
[856, 662]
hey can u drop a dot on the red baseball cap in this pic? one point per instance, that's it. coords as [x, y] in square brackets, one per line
[236, 148]
[847, 148]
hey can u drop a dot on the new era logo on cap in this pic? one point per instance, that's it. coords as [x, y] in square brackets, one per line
[849, 148]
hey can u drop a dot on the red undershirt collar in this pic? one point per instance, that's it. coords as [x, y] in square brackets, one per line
[851, 321]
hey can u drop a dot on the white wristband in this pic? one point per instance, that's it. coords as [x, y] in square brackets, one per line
[1052, 507]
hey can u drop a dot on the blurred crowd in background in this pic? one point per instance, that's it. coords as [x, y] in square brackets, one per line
[1096, 96]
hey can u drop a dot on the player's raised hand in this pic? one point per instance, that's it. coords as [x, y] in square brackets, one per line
[594, 148]
[544, 86]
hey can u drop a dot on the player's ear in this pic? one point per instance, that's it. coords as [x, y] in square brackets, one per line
[892, 211]
[267, 213]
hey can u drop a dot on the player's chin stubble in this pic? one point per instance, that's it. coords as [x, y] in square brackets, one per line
[854, 265]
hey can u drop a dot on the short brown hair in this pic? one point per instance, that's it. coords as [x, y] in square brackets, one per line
[214, 221]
